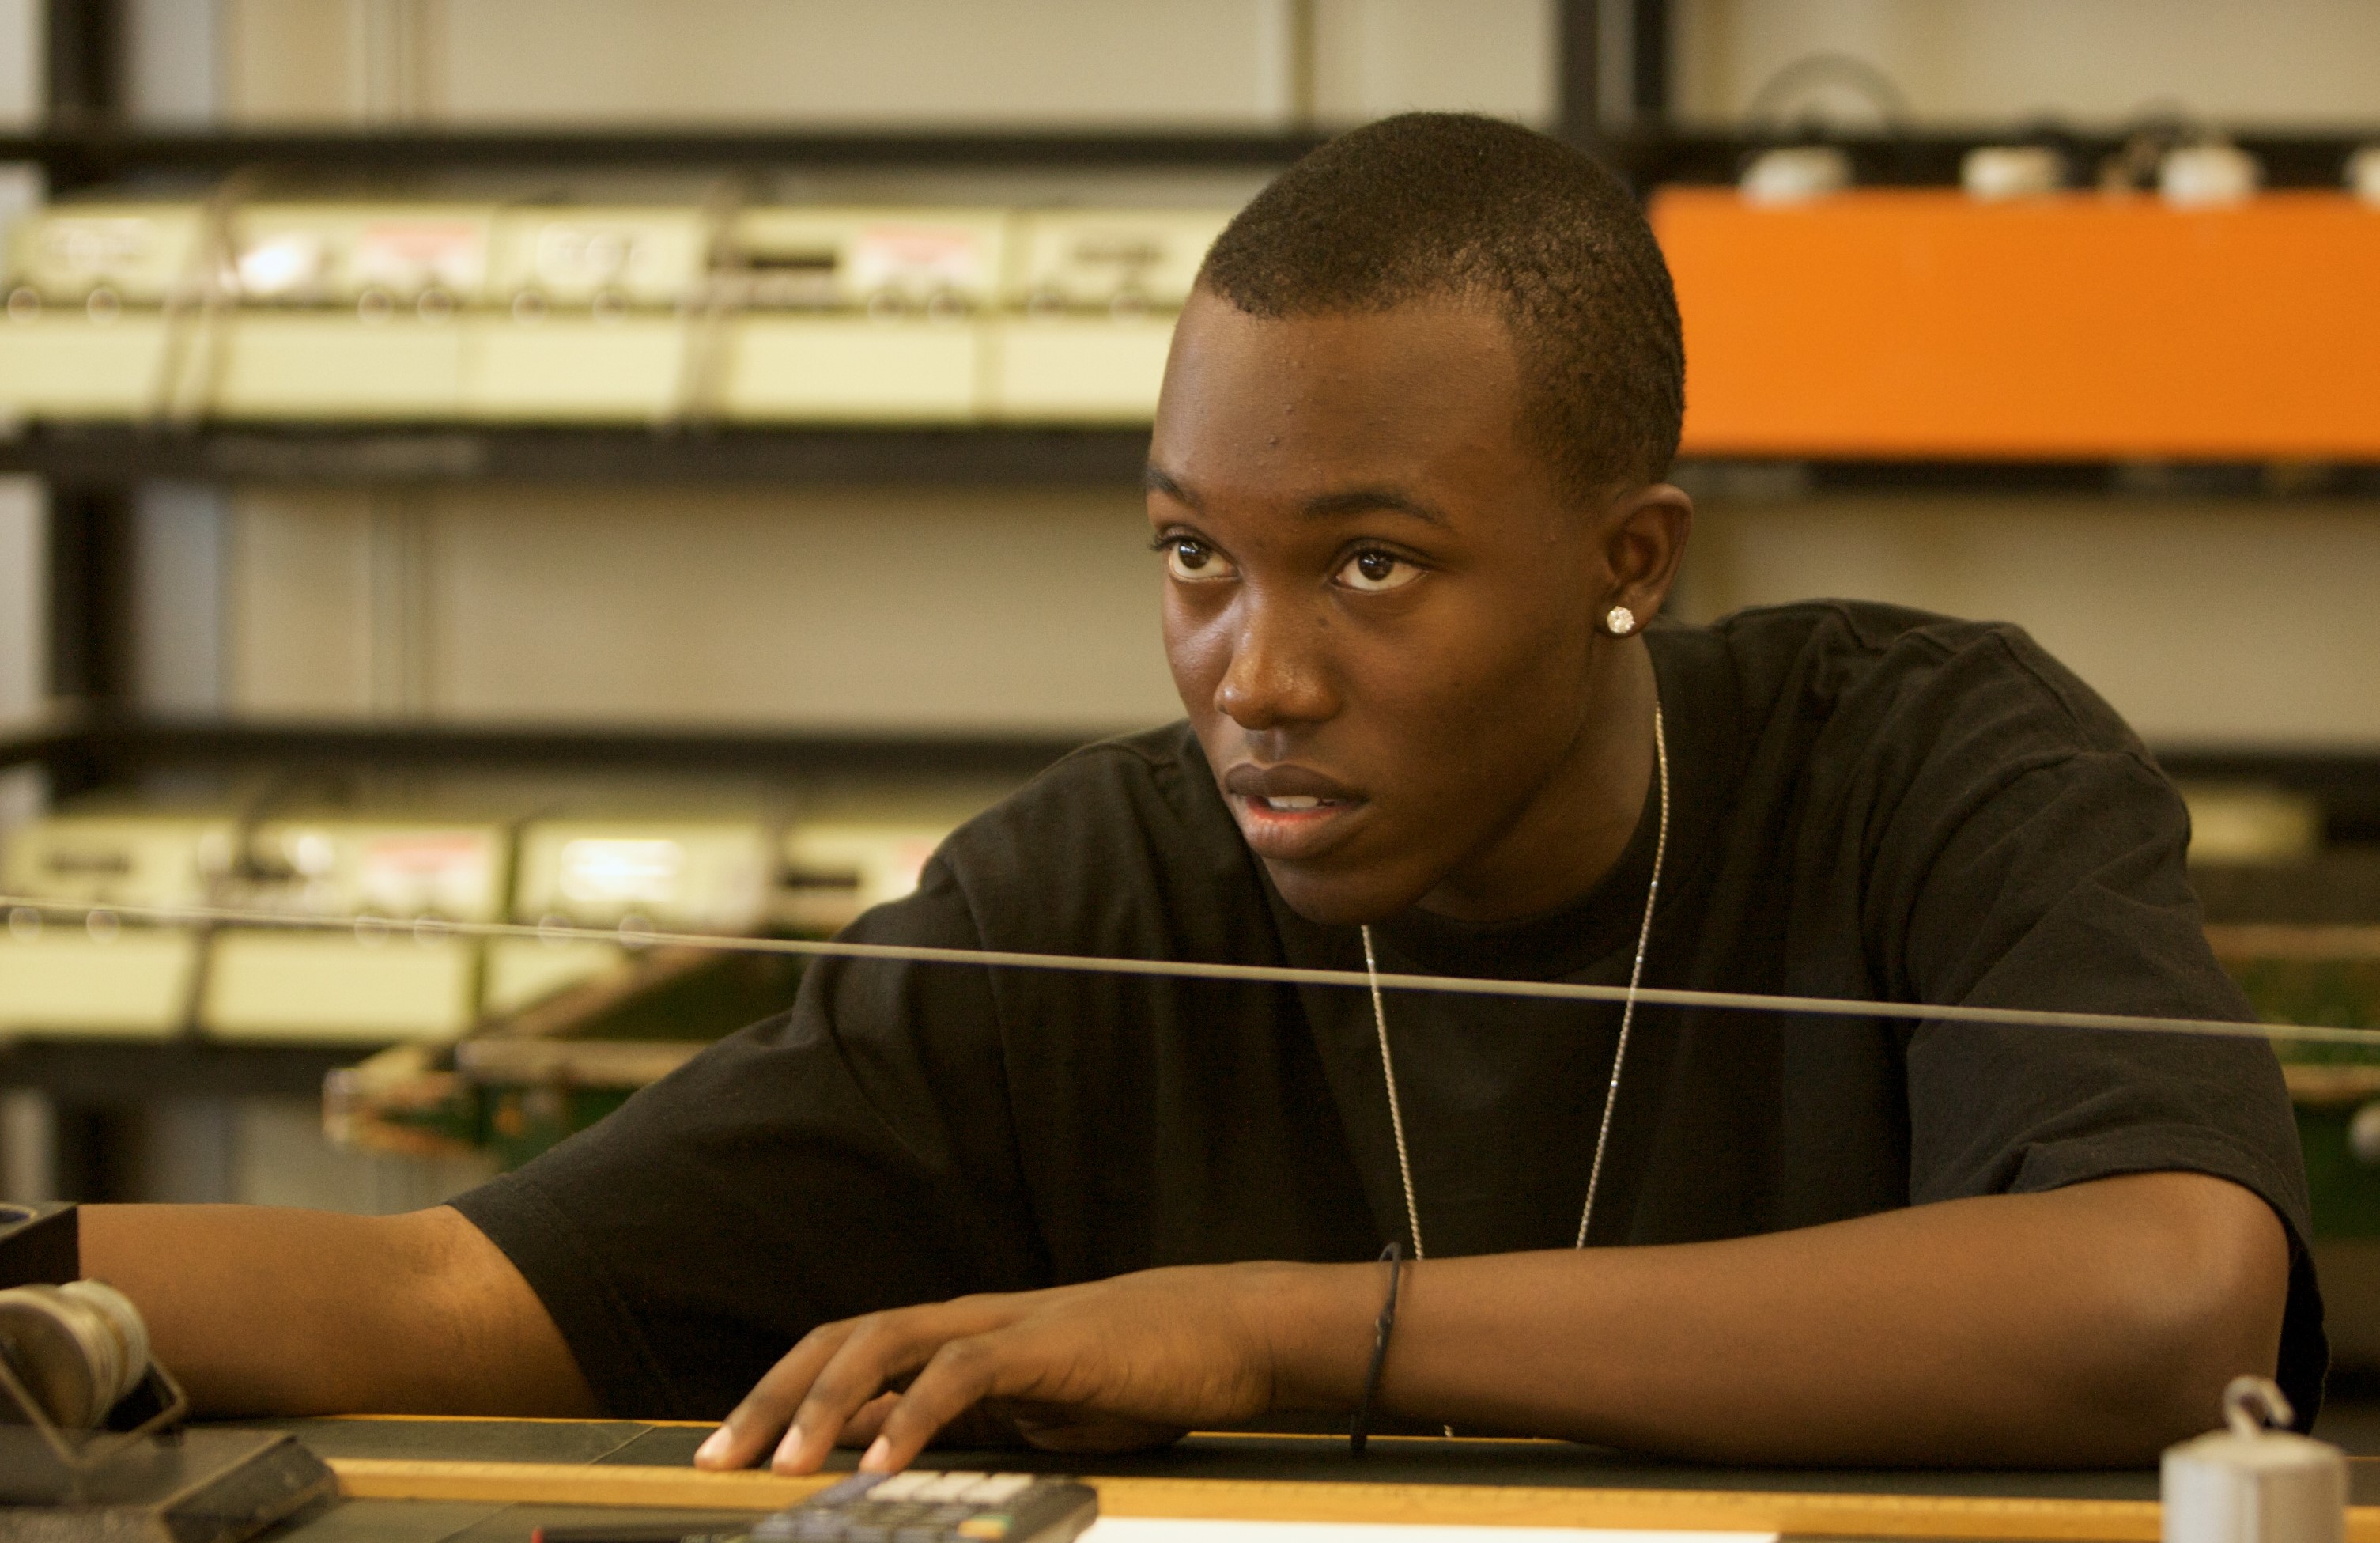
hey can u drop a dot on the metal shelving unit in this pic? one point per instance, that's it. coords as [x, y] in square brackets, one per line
[94, 469]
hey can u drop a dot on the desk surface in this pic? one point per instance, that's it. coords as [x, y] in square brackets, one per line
[1403, 1462]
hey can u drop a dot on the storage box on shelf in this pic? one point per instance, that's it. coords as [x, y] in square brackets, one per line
[860, 315]
[847, 853]
[395, 976]
[1884, 323]
[433, 313]
[108, 975]
[587, 318]
[1090, 308]
[582, 1024]
[95, 293]
[664, 872]
[349, 310]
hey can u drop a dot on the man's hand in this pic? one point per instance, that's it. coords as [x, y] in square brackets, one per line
[2086, 1326]
[1107, 1365]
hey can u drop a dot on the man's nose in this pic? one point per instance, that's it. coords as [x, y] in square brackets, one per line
[1277, 676]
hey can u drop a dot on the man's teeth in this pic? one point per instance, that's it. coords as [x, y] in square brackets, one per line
[1294, 803]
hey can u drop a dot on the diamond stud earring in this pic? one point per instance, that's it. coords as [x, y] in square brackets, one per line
[1620, 621]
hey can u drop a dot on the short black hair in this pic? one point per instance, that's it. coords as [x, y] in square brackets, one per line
[1450, 204]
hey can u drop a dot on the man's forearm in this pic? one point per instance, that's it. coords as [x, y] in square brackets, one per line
[2094, 1324]
[266, 1310]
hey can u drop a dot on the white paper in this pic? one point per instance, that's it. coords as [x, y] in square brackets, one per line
[1149, 1530]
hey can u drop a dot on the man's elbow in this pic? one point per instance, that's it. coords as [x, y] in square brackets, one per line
[2204, 1290]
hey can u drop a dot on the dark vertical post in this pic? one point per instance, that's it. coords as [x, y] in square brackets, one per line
[1578, 108]
[91, 532]
[1649, 65]
[91, 611]
[85, 65]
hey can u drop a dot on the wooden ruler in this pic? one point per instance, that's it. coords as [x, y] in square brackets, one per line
[572, 1484]
[1883, 1516]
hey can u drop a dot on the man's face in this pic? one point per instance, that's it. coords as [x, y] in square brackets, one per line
[1378, 606]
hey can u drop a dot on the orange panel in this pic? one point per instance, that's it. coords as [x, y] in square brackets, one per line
[1925, 324]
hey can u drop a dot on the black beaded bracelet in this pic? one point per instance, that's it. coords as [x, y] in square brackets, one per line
[1359, 1429]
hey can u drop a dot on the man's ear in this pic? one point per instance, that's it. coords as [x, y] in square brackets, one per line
[1643, 539]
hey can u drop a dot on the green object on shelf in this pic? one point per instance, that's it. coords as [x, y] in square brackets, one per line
[2337, 992]
[516, 1118]
[2345, 1188]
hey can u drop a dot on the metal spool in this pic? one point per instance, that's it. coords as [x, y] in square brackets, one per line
[77, 1349]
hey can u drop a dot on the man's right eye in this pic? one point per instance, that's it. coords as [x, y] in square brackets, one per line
[1188, 558]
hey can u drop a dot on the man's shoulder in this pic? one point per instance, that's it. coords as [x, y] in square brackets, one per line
[1128, 826]
[1155, 774]
[1895, 666]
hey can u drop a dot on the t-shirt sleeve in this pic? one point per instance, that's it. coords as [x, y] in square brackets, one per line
[854, 1153]
[2063, 887]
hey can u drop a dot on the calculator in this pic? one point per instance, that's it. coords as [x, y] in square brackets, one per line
[922, 1506]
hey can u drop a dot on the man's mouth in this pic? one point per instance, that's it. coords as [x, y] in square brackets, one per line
[1289, 812]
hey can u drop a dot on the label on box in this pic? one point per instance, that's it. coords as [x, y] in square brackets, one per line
[918, 258]
[94, 249]
[415, 254]
[451, 872]
[578, 257]
[615, 870]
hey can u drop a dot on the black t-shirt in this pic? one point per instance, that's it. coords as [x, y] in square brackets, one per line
[1868, 803]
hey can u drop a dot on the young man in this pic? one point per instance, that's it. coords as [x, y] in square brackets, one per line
[1405, 484]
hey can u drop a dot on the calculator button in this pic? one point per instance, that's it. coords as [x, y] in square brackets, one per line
[849, 1488]
[995, 1488]
[944, 1486]
[989, 1526]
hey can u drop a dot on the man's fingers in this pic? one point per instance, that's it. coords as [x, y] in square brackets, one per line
[879, 1351]
[755, 1424]
[861, 1429]
[813, 1396]
[960, 1375]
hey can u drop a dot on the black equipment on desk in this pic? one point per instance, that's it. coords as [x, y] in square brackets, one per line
[90, 1437]
[919, 1506]
[39, 1244]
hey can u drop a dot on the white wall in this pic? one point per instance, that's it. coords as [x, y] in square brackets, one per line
[1214, 63]
[1231, 63]
[178, 535]
[873, 609]
[173, 61]
[2203, 622]
[1373, 58]
[24, 639]
[23, 39]
[2279, 62]
[24, 601]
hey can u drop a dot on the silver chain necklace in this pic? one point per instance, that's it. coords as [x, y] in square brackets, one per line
[1618, 1055]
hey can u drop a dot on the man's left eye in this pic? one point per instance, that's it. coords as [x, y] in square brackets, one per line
[1376, 570]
